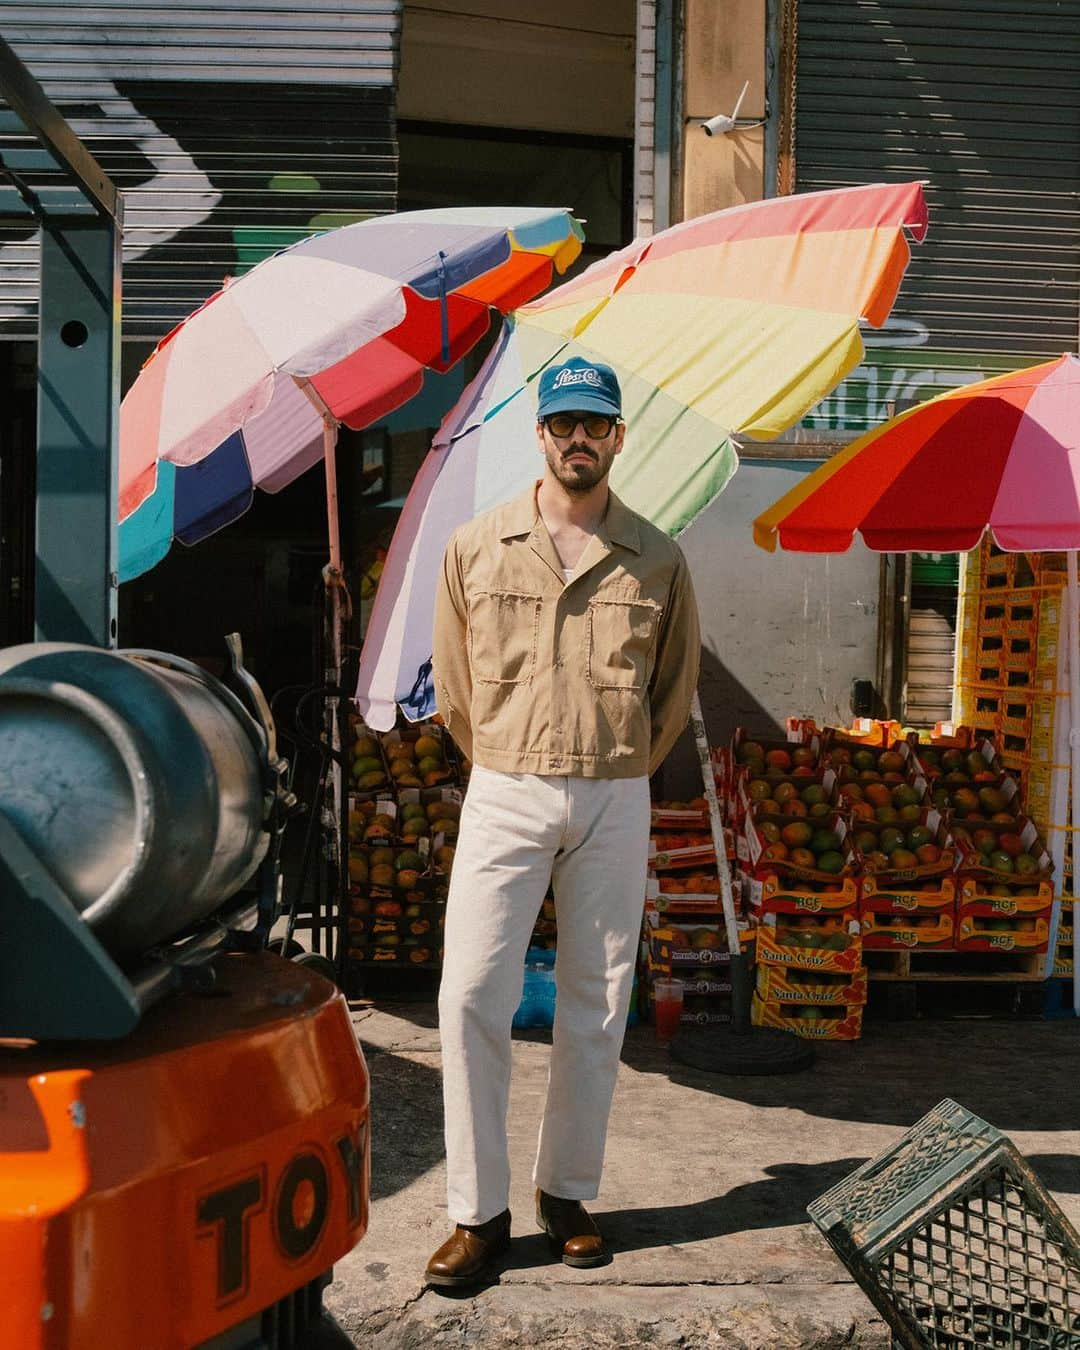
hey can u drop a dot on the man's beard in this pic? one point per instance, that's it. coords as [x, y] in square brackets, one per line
[578, 478]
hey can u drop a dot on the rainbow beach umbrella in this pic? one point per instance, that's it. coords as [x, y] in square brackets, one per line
[248, 392]
[726, 326]
[1001, 455]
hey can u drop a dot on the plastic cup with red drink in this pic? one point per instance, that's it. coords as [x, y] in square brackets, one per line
[668, 1005]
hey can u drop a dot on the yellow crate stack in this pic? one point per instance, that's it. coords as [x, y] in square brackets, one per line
[1007, 662]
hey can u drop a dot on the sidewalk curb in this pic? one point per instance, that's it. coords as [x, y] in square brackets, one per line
[620, 1317]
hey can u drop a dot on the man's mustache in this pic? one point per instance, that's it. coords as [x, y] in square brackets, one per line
[579, 450]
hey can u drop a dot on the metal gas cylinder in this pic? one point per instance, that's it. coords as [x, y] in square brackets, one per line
[138, 781]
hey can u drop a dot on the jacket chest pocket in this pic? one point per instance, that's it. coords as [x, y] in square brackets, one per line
[504, 628]
[620, 638]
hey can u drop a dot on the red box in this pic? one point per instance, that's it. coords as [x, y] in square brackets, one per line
[777, 894]
[884, 932]
[972, 903]
[876, 897]
[977, 934]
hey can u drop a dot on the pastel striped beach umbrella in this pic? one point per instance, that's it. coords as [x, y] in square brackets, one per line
[340, 328]
[729, 325]
[1001, 455]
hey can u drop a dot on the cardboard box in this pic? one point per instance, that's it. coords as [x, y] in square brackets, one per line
[780, 984]
[705, 981]
[811, 1022]
[884, 932]
[681, 902]
[972, 903]
[792, 784]
[683, 818]
[886, 875]
[931, 767]
[973, 865]
[943, 796]
[696, 1012]
[758, 853]
[977, 934]
[665, 855]
[406, 955]
[875, 897]
[864, 731]
[448, 774]
[775, 893]
[783, 944]
[666, 955]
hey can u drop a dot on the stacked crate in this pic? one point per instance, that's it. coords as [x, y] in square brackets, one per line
[683, 934]
[406, 789]
[797, 876]
[1007, 662]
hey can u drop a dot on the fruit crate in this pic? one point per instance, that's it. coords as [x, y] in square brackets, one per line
[777, 984]
[771, 893]
[812, 1022]
[883, 932]
[878, 898]
[975, 933]
[956, 1242]
[670, 894]
[926, 850]
[803, 944]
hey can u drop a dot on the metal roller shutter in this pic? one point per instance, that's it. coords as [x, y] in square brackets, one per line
[233, 130]
[981, 98]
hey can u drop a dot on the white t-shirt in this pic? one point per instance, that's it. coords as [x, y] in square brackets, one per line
[568, 572]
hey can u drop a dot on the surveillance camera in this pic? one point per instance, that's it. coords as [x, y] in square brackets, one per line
[720, 125]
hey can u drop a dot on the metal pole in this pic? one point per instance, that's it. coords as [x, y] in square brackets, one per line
[1073, 597]
[78, 376]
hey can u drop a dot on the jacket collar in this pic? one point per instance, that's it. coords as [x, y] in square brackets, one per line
[619, 525]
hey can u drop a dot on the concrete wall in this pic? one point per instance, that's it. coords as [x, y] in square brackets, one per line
[563, 66]
[782, 633]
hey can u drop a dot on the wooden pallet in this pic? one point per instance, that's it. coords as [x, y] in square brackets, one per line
[955, 967]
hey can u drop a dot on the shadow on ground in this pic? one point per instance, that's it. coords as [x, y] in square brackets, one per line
[899, 1071]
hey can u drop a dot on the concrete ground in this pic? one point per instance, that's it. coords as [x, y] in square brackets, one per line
[705, 1189]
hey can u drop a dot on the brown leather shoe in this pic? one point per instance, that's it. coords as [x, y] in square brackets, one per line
[467, 1254]
[571, 1230]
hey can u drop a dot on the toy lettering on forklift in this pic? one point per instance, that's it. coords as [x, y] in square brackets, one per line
[304, 1186]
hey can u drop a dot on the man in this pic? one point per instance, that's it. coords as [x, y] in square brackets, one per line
[566, 653]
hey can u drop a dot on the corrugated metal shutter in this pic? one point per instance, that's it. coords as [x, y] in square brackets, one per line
[982, 99]
[232, 129]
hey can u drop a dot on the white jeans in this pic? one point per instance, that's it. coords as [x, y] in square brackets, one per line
[590, 836]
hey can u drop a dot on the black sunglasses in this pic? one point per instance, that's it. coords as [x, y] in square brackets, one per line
[597, 425]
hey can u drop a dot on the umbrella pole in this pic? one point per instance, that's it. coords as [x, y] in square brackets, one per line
[739, 1048]
[1073, 591]
[336, 731]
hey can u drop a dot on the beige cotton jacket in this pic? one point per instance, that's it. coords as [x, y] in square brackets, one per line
[588, 678]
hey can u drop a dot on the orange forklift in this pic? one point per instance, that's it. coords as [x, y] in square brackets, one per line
[183, 1114]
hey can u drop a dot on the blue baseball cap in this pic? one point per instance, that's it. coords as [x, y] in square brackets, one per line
[578, 385]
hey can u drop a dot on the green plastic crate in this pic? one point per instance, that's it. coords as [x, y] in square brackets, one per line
[955, 1241]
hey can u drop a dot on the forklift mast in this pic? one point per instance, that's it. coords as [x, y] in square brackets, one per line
[183, 1115]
